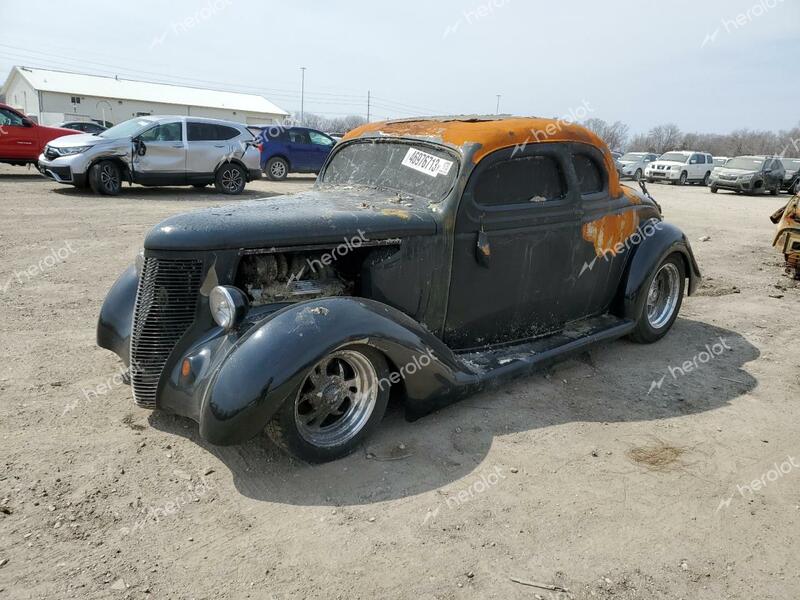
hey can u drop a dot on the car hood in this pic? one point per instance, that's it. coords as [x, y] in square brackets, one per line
[79, 139]
[324, 215]
[737, 172]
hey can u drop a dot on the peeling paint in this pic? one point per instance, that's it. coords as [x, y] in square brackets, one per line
[396, 212]
[610, 233]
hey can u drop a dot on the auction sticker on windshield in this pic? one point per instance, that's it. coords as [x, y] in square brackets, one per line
[426, 163]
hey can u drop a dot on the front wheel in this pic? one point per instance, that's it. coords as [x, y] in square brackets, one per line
[105, 178]
[230, 179]
[684, 177]
[638, 175]
[706, 178]
[340, 401]
[714, 189]
[663, 301]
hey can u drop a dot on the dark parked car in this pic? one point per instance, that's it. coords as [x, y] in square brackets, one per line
[749, 175]
[432, 259]
[84, 126]
[293, 150]
[791, 178]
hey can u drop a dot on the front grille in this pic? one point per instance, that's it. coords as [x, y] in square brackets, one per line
[164, 310]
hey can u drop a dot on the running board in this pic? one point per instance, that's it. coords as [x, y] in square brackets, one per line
[493, 366]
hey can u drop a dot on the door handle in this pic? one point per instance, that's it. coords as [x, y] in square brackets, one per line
[219, 145]
[177, 145]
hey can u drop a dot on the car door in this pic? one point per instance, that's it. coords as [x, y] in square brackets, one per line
[697, 166]
[301, 151]
[17, 136]
[515, 231]
[206, 145]
[321, 147]
[164, 158]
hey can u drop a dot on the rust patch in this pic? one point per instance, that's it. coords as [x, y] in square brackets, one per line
[631, 194]
[396, 212]
[493, 134]
[610, 233]
[787, 238]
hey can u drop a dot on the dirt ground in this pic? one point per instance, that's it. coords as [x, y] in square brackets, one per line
[588, 477]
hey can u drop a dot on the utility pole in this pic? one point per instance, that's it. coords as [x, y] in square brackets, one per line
[368, 99]
[302, 94]
[497, 110]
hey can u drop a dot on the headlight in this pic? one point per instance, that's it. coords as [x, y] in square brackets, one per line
[72, 150]
[747, 177]
[228, 305]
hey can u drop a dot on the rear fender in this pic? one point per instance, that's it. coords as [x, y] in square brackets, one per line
[269, 362]
[647, 255]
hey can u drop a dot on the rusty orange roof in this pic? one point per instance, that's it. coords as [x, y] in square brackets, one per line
[490, 134]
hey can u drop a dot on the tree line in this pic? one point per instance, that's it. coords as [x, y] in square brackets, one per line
[669, 136]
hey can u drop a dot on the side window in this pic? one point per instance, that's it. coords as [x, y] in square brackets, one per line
[709, 159]
[590, 177]
[526, 180]
[223, 132]
[297, 136]
[166, 132]
[8, 117]
[320, 139]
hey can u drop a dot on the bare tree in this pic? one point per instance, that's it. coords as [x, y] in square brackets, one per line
[665, 137]
[613, 134]
[334, 125]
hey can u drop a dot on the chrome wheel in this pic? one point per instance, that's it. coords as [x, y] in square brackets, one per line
[336, 399]
[662, 298]
[278, 169]
[232, 179]
[109, 177]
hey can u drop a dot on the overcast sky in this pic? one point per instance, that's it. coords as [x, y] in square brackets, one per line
[710, 66]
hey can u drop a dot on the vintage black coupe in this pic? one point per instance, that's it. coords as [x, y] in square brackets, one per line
[433, 258]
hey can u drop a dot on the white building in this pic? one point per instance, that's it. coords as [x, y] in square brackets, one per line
[56, 96]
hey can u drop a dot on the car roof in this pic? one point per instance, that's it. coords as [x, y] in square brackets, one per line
[161, 118]
[476, 136]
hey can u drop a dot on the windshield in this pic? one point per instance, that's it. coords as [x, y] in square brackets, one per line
[417, 169]
[633, 156]
[126, 129]
[675, 157]
[791, 164]
[745, 163]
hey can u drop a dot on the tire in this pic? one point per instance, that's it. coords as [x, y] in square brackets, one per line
[105, 178]
[297, 430]
[663, 301]
[684, 177]
[714, 189]
[276, 168]
[638, 175]
[650, 180]
[706, 178]
[795, 191]
[776, 190]
[230, 179]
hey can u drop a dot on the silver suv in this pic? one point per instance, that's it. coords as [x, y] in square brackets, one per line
[633, 164]
[154, 150]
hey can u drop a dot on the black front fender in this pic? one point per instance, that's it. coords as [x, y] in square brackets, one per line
[666, 239]
[266, 365]
[116, 315]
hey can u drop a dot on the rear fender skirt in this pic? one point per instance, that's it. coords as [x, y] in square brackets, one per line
[268, 363]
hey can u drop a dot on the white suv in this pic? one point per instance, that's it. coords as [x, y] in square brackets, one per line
[681, 167]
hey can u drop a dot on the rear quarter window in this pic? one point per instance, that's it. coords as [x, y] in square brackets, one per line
[523, 181]
[590, 177]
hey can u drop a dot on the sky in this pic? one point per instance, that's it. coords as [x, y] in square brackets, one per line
[710, 66]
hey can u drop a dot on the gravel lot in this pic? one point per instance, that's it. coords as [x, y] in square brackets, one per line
[581, 478]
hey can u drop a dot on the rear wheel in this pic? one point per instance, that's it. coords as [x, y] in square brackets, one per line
[230, 179]
[105, 178]
[663, 301]
[638, 175]
[777, 189]
[706, 178]
[277, 168]
[340, 401]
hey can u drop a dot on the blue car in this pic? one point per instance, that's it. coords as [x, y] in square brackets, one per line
[287, 150]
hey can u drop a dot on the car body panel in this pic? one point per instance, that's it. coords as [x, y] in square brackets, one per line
[299, 146]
